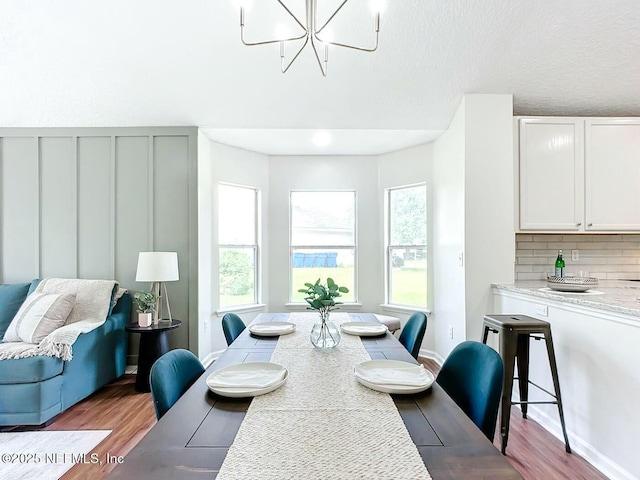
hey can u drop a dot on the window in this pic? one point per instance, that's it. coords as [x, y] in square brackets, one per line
[238, 243]
[407, 246]
[323, 240]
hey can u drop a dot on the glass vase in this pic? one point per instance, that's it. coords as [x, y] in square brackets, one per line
[325, 334]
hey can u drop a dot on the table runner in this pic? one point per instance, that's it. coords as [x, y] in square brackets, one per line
[322, 424]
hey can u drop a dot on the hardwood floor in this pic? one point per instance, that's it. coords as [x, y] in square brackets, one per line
[116, 407]
[534, 452]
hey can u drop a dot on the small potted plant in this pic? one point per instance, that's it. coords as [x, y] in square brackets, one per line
[146, 306]
[322, 298]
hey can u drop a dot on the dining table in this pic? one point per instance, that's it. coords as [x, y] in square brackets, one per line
[192, 440]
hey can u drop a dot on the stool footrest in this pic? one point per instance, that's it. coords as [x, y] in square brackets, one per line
[550, 402]
[539, 387]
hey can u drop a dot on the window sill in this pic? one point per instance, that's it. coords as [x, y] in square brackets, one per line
[385, 307]
[345, 307]
[258, 307]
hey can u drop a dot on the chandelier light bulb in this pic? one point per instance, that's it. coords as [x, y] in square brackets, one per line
[243, 4]
[378, 6]
[282, 32]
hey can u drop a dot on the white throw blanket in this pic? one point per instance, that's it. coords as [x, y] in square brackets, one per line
[93, 298]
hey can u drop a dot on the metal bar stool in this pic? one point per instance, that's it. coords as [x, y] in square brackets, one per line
[515, 332]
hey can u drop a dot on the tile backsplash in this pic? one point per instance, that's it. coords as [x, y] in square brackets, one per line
[601, 256]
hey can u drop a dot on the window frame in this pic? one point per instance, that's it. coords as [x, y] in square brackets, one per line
[389, 247]
[353, 248]
[256, 247]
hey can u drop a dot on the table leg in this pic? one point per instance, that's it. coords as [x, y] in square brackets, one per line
[152, 346]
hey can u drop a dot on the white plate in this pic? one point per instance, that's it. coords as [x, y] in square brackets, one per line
[272, 329]
[394, 366]
[364, 329]
[247, 369]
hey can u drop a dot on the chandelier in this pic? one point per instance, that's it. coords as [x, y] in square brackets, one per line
[311, 35]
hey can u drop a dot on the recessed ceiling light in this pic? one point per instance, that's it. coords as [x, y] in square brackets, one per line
[322, 139]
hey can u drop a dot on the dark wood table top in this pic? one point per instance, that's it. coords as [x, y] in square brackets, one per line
[161, 326]
[192, 438]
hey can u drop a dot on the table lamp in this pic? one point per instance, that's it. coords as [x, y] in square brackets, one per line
[158, 268]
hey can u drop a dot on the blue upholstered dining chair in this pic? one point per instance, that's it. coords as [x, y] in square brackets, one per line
[232, 326]
[472, 375]
[413, 333]
[171, 375]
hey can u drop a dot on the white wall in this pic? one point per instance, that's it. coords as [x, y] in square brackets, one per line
[448, 236]
[489, 203]
[407, 167]
[205, 244]
[473, 201]
[222, 163]
[317, 173]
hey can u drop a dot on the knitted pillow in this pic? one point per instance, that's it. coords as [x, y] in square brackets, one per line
[39, 315]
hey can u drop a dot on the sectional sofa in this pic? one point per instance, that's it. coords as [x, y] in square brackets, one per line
[34, 390]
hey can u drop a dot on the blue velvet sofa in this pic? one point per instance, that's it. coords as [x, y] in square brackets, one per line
[36, 389]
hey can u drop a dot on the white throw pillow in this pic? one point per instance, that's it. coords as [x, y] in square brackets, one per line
[39, 315]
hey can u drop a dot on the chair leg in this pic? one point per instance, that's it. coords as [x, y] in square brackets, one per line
[556, 386]
[523, 371]
[508, 347]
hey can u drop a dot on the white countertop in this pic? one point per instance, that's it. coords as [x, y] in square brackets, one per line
[619, 295]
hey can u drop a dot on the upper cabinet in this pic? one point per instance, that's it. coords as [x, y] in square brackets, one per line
[579, 174]
[551, 174]
[612, 174]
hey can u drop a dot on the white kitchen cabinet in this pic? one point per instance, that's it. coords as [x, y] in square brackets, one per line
[612, 174]
[579, 174]
[551, 174]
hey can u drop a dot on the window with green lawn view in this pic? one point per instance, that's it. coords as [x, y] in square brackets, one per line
[323, 240]
[238, 245]
[406, 253]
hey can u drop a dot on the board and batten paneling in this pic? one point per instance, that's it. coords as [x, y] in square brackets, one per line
[58, 227]
[95, 206]
[20, 212]
[83, 202]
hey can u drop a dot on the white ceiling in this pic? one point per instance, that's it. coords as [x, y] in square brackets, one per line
[168, 62]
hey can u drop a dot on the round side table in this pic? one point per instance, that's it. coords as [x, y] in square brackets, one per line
[154, 343]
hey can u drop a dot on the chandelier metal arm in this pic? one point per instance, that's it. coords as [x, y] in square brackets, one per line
[267, 42]
[282, 65]
[353, 47]
[293, 16]
[330, 18]
[323, 69]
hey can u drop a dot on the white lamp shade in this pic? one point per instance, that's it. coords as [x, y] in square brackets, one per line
[157, 267]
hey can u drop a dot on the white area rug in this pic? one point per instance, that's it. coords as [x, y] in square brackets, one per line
[47, 455]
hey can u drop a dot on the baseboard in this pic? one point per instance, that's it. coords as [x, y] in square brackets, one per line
[131, 370]
[211, 357]
[424, 353]
[578, 445]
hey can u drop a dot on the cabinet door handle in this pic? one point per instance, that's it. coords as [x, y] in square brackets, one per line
[589, 224]
[578, 224]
